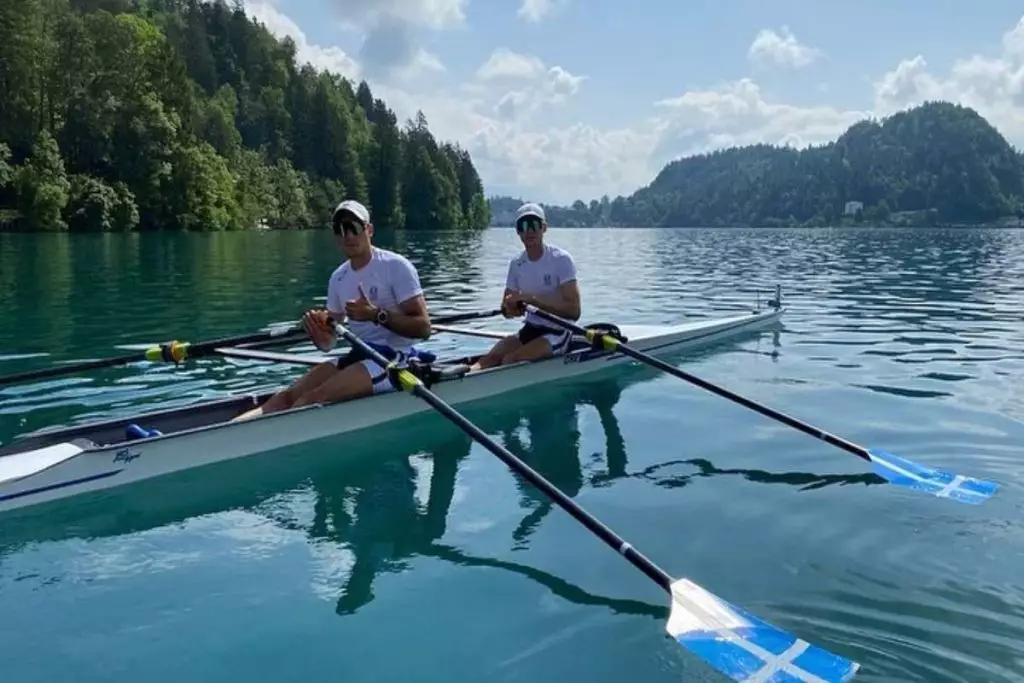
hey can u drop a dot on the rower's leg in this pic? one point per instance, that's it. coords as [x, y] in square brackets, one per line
[542, 347]
[353, 381]
[286, 398]
[497, 353]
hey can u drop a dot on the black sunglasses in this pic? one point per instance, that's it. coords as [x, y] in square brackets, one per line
[529, 223]
[347, 225]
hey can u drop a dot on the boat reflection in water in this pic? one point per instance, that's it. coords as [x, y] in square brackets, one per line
[389, 499]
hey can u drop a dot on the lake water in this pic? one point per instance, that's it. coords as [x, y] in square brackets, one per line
[408, 553]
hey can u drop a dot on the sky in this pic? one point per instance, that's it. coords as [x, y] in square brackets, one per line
[558, 100]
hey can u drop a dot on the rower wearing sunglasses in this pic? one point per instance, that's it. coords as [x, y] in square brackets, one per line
[376, 293]
[542, 275]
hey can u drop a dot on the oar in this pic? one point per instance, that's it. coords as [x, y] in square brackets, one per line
[733, 641]
[176, 352]
[463, 317]
[168, 352]
[894, 469]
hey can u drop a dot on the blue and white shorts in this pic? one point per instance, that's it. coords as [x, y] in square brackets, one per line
[558, 339]
[378, 375]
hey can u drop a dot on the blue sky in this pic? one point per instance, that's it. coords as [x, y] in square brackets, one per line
[559, 100]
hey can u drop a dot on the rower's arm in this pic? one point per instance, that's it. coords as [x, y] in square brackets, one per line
[411, 319]
[566, 304]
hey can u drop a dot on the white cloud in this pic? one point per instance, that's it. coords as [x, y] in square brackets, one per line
[331, 59]
[504, 63]
[535, 10]
[774, 49]
[994, 86]
[501, 115]
[432, 14]
[738, 113]
[538, 86]
[392, 32]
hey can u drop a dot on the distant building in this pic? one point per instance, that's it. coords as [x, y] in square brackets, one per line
[852, 208]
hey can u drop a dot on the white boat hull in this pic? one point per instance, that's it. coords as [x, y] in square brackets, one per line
[50, 465]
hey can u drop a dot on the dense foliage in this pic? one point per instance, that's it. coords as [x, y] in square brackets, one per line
[189, 115]
[936, 164]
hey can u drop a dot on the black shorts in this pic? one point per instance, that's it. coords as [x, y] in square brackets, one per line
[558, 339]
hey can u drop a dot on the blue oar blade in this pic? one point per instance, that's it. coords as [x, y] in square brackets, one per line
[912, 475]
[743, 647]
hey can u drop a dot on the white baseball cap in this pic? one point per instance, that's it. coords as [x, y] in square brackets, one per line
[354, 208]
[530, 209]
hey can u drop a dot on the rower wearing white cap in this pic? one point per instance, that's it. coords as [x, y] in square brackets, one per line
[377, 294]
[542, 275]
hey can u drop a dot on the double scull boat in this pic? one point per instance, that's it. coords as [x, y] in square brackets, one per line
[51, 464]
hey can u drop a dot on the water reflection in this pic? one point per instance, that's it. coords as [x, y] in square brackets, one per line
[547, 438]
[703, 468]
[388, 501]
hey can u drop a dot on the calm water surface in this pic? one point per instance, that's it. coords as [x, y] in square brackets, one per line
[408, 553]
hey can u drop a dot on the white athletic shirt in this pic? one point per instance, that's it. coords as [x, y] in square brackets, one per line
[388, 280]
[544, 276]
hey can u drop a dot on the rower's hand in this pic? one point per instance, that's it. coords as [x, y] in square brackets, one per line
[360, 308]
[319, 328]
[514, 304]
[507, 309]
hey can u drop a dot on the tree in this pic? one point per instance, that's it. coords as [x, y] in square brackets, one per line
[43, 186]
[188, 114]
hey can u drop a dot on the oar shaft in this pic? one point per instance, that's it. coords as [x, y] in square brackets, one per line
[194, 350]
[57, 371]
[410, 383]
[789, 420]
[199, 349]
[463, 317]
[616, 345]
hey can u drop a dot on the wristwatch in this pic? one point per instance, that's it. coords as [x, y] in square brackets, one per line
[382, 316]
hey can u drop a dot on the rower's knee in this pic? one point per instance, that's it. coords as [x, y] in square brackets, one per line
[352, 382]
[488, 361]
[528, 352]
[282, 400]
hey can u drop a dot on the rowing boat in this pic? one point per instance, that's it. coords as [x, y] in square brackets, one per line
[58, 463]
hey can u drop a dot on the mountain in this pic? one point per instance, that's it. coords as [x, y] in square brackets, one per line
[190, 115]
[935, 164]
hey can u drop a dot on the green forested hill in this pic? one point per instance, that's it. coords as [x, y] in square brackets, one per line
[938, 163]
[188, 115]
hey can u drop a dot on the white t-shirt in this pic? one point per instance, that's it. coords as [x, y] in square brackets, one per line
[389, 279]
[543, 277]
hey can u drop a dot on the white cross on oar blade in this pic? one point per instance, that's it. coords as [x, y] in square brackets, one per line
[744, 647]
[913, 475]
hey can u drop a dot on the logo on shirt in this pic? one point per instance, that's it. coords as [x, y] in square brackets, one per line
[372, 293]
[547, 278]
